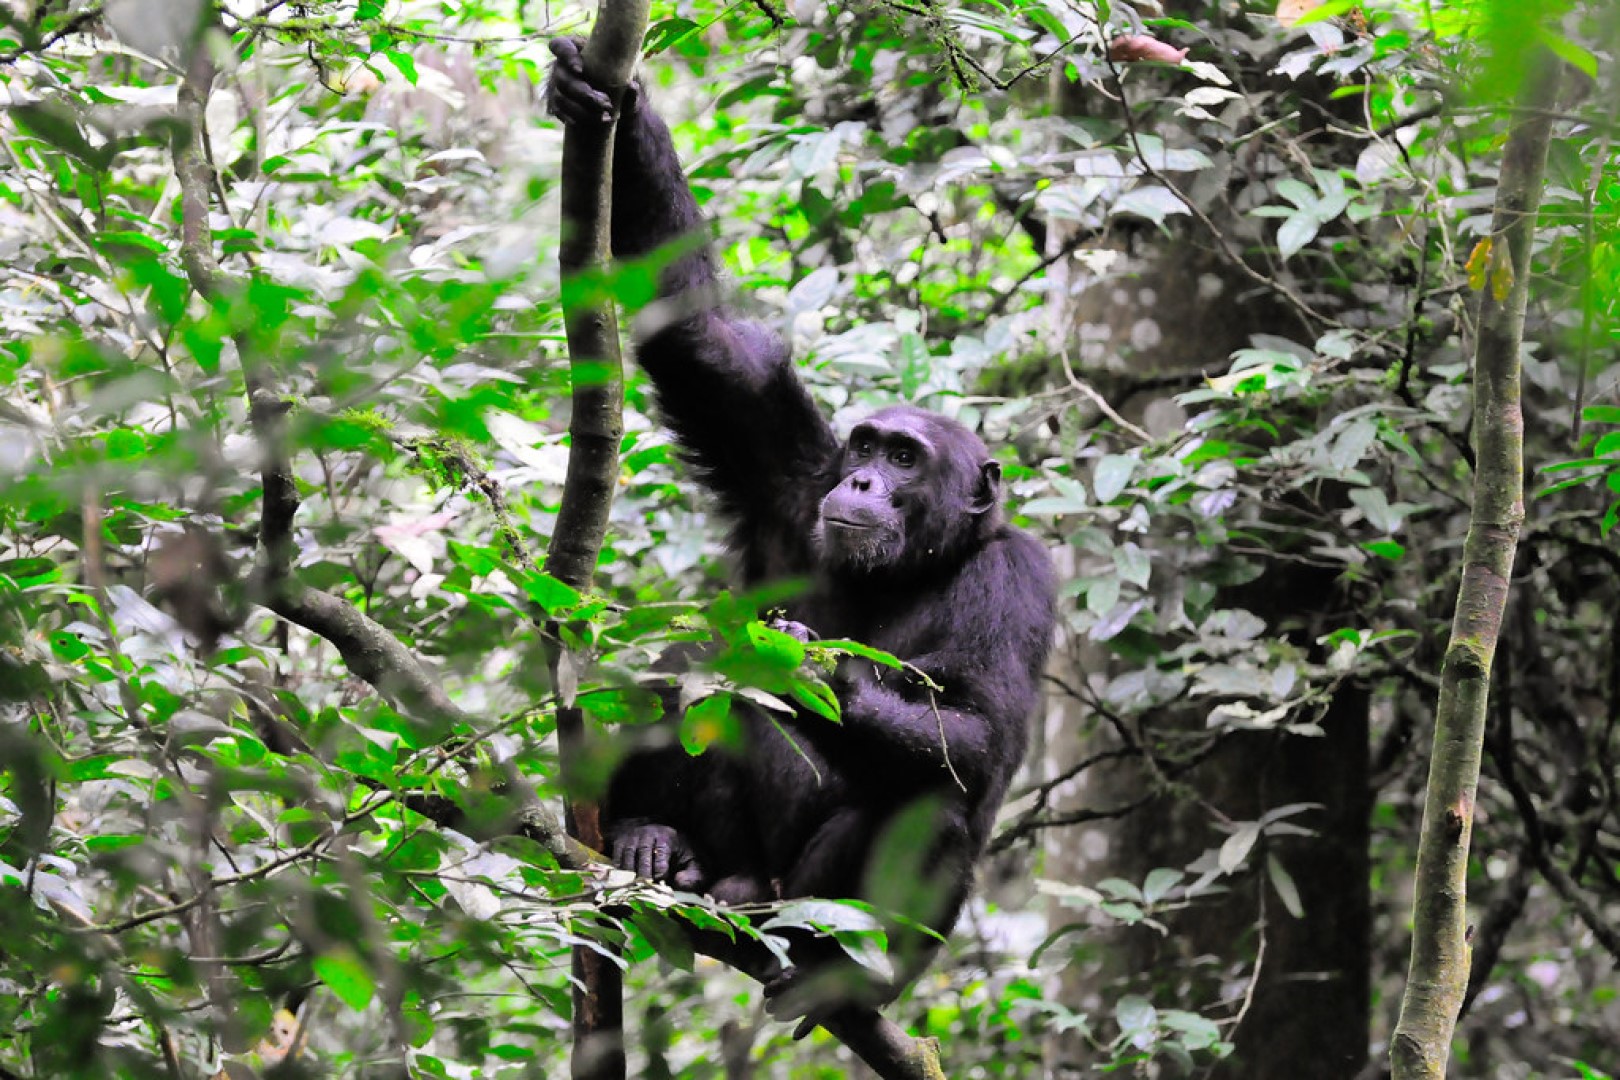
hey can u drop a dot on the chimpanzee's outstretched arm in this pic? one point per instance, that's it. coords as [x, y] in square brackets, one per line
[724, 384]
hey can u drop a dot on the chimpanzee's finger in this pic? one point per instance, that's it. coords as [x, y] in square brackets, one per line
[595, 98]
[571, 86]
[570, 111]
[574, 101]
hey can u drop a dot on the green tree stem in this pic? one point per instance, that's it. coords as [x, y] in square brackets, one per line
[1437, 977]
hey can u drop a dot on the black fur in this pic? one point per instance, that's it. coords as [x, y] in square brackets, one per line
[901, 535]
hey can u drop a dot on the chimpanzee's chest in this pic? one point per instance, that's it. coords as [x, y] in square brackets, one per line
[903, 626]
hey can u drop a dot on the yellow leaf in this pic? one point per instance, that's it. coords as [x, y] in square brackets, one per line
[1501, 276]
[1478, 261]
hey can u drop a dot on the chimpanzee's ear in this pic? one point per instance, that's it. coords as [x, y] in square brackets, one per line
[988, 493]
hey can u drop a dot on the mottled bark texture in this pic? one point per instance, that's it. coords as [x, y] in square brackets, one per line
[1437, 978]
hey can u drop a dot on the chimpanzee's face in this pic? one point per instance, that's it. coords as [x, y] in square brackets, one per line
[911, 486]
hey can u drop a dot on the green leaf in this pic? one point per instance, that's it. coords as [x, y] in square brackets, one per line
[629, 705]
[1112, 474]
[1102, 595]
[1576, 56]
[1072, 498]
[347, 977]
[1123, 910]
[1152, 201]
[1119, 889]
[856, 648]
[818, 697]
[831, 916]
[1135, 1014]
[68, 646]
[1159, 882]
[58, 125]
[34, 570]
[1295, 233]
[778, 649]
[1578, 463]
[1352, 443]
[706, 722]
[126, 245]
[1237, 846]
[1301, 194]
[123, 444]
[1287, 891]
[1197, 1032]
[1051, 506]
[665, 936]
[404, 62]
[1133, 564]
[112, 843]
[666, 34]
[552, 595]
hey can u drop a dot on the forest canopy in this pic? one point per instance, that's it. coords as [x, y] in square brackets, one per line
[1259, 307]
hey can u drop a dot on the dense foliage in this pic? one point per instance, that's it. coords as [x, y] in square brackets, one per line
[283, 375]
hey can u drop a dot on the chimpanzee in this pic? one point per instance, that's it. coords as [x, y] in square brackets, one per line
[900, 535]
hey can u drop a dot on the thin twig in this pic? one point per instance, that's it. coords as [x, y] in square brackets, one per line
[944, 747]
[1098, 400]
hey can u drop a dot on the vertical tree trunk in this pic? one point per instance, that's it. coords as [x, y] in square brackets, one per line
[1438, 975]
[595, 428]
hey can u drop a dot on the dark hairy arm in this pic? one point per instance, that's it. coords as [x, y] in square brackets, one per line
[907, 726]
[725, 385]
[994, 632]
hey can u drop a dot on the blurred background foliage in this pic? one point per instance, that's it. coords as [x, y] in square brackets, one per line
[1215, 309]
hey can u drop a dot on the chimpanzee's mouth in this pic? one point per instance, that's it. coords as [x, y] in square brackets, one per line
[845, 523]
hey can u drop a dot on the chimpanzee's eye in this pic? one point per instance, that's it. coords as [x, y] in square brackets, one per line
[860, 447]
[904, 457]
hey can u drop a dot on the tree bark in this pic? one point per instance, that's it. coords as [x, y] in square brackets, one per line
[1437, 977]
[595, 428]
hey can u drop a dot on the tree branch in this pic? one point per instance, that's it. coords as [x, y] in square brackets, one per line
[1437, 977]
[595, 429]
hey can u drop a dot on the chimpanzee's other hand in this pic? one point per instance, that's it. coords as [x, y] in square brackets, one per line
[570, 96]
